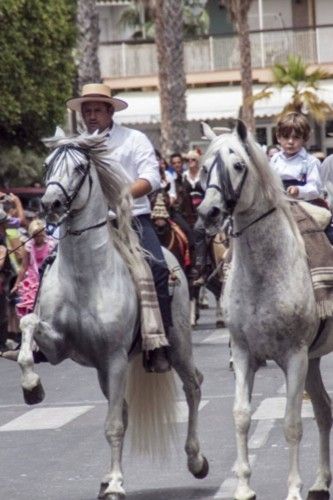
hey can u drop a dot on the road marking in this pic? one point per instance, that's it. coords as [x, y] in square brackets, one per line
[45, 418]
[229, 485]
[274, 408]
[217, 337]
[182, 410]
[261, 433]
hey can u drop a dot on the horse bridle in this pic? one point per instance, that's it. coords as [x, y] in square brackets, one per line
[71, 197]
[86, 172]
[226, 189]
[231, 195]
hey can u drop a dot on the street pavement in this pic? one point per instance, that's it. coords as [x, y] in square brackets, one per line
[57, 450]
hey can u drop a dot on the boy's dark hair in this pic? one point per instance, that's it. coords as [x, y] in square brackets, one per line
[293, 123]
[176, 155]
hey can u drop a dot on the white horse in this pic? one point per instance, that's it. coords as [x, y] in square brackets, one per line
[268, 300]
[88, 309]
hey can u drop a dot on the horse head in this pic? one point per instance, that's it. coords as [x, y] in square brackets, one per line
[232, 171]
[68, 175]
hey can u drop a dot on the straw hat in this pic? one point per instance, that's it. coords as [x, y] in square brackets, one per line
[3, 216]
[159, 210]
[97, 92]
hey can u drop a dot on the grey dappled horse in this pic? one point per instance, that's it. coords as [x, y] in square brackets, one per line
[88, 309]
[268, 299]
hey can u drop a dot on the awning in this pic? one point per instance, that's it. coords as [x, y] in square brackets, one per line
[210, 103]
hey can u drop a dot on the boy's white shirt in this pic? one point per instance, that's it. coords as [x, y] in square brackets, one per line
[294, 167]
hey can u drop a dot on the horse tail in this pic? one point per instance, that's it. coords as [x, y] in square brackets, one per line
[152, 409]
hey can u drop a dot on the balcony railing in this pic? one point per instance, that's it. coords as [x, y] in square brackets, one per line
[313, 45]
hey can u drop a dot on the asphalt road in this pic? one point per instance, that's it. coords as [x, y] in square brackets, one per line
[57, 450]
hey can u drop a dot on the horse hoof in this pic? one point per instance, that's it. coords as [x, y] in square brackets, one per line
[220, 324]
[204, 470]
[35, 395]
[318, 495]
[109, 496]
[231, 366]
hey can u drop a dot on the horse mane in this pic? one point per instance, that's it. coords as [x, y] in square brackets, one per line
[115, 184]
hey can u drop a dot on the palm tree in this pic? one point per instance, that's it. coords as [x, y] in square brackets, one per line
[304, 85]
[238, 11]
[88, 69]
[168, 17]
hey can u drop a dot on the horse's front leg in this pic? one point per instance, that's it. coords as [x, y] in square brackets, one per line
[33, 391]
[244, 374]
[295, 371]
[112, 379]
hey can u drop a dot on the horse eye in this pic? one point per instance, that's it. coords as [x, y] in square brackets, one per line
[238, 166]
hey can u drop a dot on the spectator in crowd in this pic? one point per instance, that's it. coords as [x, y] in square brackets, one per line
[167, 180]
[177, 165]
[36, 251]
[7, 275]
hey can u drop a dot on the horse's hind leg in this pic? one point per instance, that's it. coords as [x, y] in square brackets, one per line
[296, 370]
[321, 403]
[33, 391]
[112, 380]
[244, 374]
[192, 379]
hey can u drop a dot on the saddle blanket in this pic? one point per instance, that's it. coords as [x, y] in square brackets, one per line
[320, 258]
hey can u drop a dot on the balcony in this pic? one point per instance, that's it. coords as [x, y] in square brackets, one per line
[131, 64]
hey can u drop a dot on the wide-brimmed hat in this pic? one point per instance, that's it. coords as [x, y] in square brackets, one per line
[3, 216]
[97, 92]
[160, 211]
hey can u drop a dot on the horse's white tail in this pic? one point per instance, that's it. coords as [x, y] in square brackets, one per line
[151, 399]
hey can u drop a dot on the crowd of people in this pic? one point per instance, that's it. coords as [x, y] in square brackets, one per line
[24, 246]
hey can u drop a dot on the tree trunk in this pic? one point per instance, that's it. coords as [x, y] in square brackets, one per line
[88, 69]
[238, 10]
[171, 74]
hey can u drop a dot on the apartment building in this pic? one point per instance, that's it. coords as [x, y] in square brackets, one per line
[277, 29]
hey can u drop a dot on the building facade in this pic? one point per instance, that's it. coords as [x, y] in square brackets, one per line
[277, 29]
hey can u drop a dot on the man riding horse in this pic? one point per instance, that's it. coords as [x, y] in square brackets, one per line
[134, 152]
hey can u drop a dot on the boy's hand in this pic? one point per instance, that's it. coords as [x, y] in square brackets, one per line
[293, 191]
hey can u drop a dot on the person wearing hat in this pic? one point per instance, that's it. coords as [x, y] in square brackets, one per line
[132, 149]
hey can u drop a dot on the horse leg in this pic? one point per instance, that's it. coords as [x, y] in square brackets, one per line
[297, 366]
[321, 403]
[192, 379]
[219, 313]
[33, 391]
[112, 380]
[244, 374]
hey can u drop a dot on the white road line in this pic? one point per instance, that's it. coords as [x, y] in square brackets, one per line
[217, 337]
[261, 433]
[182, 410]
[227, 488]
[274, 408]
[45, 418]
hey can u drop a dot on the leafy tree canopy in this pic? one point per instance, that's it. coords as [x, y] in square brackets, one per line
[37, 68]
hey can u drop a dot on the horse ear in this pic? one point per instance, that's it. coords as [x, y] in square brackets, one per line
[241, 130]
[207, 131]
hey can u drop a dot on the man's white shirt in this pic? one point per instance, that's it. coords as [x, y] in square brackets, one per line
[135, 153]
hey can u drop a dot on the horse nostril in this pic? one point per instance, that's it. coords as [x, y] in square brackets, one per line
[214, 212]
[56, 205]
